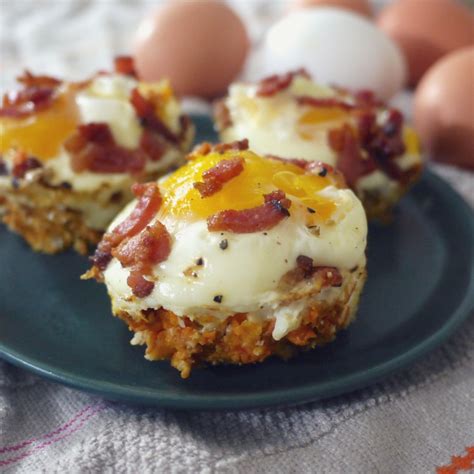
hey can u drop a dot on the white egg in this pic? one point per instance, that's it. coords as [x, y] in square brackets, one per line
[337, 47]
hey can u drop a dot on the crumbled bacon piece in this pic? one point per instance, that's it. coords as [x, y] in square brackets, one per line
[366, 124]
[141, 287]
[22, 163]
[222, 114]
[93, 148]
[148, 204]
[305, 264]
[124, 65]
[202, 149]
[351, 163]
[324, 102]
[372, 146]
[205, 148]
[366, 98]
[259, 218]
[153, 145]
[278, 82]
[145, 110]
[19, 104]
[37, 94]
[331, 275]
[394, 123]
[30, 80]
[215, 177]
[149, 247]
[238, 145]
[140, 253]
[95, 132]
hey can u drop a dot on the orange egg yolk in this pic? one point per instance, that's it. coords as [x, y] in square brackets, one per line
[318, 117]
[41, 134]
[260, 176]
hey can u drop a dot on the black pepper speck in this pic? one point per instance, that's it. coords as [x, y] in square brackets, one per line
[311, 210]
[323, 172]
[223, 244]
[200, 261]
[218, 298]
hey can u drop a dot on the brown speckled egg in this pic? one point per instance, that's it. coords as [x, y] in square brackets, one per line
[200, 45]
[357, 6]
[426, 30]
[444, 109]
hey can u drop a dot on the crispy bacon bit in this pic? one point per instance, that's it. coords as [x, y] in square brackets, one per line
[222, 114]
[124, 65]
[19, 104]
[366, 123]
[257, 219]
[145, 109]
[215, 177]
[22, 163]
[149, 202]
[153, 145]
[239, 145]
[37, 94]
[30, 80]
[366, 98]
[140, 253]
[205, 148]
[93, 148]
[331, 275]
[305, 264]
[351, 163]
[272, 85]
[202, 149]
[141, 288]
[394, 123]
[324, 102]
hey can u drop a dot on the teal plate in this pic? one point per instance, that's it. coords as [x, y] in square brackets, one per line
[420, 288]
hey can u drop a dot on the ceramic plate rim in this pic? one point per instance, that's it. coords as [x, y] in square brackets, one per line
[289, 396]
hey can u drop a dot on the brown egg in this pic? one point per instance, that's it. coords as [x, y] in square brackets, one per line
[357, 6]
[426, 30]
[444, 109]
[200, 45]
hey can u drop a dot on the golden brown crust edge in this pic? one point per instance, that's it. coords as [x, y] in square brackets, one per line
[45, 216]
[240, 339]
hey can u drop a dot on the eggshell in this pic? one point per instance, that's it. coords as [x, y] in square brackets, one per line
[357, 6]
[199, 45]
[426, 30]
[337, 47]
[444, 109]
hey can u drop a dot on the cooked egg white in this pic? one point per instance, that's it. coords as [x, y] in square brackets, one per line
[247, 272]
[278, 125]
[106, 99]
